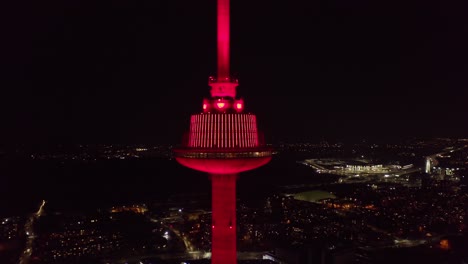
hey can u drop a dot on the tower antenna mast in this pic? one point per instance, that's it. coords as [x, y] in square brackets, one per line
[223, 39]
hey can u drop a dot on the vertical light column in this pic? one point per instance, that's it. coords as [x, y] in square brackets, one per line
[203, 133]
[210, 122]
[244, 132]
[257, 141]
[223, 238]
[229, 128]
[250, 131]
[197, 131]
[218, 130]
[222, 130]
[235, 126]
[191, 137]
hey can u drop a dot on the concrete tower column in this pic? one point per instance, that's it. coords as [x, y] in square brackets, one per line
[223, 238]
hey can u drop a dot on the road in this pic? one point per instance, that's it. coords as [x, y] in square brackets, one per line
[29, 231]
[188, 245]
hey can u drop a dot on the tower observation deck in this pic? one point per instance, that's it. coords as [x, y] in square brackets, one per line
[223, 141]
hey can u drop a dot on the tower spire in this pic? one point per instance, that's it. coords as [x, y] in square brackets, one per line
[223, 39]
[223, 85]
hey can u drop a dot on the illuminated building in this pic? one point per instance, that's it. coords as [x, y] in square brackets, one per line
[136, 208]
[223, 141]
[428, 165]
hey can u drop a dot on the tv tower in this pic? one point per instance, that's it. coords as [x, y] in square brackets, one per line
[223, 141]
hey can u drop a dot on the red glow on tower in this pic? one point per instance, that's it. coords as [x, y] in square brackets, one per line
[223, 142]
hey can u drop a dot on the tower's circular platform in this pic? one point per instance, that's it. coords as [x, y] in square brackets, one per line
[223, 161]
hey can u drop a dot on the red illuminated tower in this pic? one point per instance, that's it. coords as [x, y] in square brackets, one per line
[223, 141]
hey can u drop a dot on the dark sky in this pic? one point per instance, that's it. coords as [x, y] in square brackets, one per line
[83, 71]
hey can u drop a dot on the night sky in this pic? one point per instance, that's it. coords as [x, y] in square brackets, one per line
[126, 71]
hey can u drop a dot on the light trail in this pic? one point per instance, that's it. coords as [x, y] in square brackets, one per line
[29, 230]
[41, 207]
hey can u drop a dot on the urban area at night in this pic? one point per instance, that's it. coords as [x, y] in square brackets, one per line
[405, 202]
[234, 131]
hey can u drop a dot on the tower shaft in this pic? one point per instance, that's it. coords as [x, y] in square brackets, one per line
[223, 239]
[223, 39]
